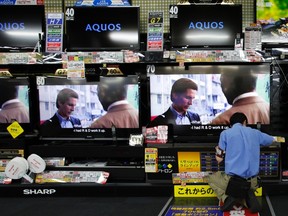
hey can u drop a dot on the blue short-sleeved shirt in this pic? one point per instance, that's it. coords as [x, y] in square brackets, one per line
[242, 147]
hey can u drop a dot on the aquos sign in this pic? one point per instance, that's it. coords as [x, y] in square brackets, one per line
[39, 191]
[103, 27]
[206, 25]
[12, 26]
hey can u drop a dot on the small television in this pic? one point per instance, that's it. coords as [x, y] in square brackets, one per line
[111, 28]
[209, 102]
[21, 27]
[205, 26]
[15, 104]
[88, 108]
[273, 18]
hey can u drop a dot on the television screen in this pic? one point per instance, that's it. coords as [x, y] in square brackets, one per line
[273, 18]
[200, 101]
[15, 103]
[81, 109]
[103, 28]
[20, 26]
[205, 26]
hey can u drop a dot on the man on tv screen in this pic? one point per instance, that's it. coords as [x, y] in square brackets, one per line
[65, 102]
[11, 108]
[183, 92]
[240, 92]
[120, 114]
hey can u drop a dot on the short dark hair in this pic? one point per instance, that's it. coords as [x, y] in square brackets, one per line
[64, 96]
[181, 85]
[238, 117]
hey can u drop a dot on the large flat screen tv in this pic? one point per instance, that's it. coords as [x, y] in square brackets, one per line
[205, 26]
[15, 104]
[81, 116]
[103, 28]
[20, 26]
[209, 103]
[273, 17]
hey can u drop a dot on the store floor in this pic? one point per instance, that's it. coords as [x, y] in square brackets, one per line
[275, 205]
[81, 206]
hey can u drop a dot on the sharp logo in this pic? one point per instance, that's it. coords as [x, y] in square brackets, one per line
[39, 191]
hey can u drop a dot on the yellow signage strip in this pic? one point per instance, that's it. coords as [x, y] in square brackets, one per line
[200, 191]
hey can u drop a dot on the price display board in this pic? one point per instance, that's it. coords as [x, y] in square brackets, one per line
[155, 31]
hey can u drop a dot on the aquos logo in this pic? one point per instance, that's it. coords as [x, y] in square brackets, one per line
[39, 191]
[11, 26]
[206, 25]
[103, 27]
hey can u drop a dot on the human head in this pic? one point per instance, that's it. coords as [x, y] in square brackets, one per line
[111, 90]
[8, 92]
[234, 84]
[66, 101]
[183, 91]
[238, 117]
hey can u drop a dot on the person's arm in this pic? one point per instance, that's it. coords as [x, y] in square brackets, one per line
[219, 156]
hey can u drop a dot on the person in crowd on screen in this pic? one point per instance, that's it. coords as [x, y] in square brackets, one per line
[65, 102]
[183, 92]
[112, 95]
[11, 108]
[239, 149]
[240, 92]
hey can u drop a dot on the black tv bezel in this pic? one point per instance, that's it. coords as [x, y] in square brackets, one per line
[205, 46]
[70, 47]
[119, 134]
[27, 127]
[186, 134]
[41, 34]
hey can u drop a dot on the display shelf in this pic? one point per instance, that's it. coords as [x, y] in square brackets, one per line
[126, 180]
[74, 150]
[86, 189]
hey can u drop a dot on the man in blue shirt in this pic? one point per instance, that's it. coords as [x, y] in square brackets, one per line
[241, 147]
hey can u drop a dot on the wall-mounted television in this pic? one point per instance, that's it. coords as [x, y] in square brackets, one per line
[103, 28]
[90, 114]
[205, 26]
[15, 104]
[273, 18]
[20, 26]
[204, 110]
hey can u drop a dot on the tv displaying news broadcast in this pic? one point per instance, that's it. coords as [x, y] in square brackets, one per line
[15, 104]
[210, 101]
[78, 108]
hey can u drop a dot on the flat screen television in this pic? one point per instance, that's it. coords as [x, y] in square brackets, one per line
[103, 28]
[15, 104]
[209, 101]
[20, 26]
[273, 18]
[205, 26]
[88, 108]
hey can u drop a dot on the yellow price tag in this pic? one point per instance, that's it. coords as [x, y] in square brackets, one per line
[15, 129]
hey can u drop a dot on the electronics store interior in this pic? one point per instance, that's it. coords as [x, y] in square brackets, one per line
[116, 107]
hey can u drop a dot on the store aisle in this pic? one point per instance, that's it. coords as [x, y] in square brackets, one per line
[83, 206]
